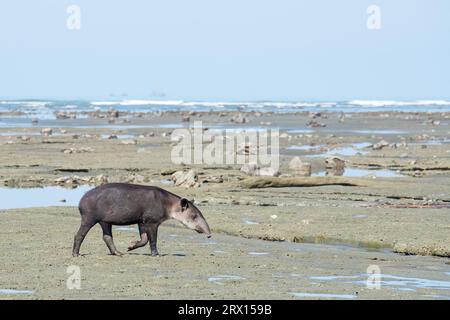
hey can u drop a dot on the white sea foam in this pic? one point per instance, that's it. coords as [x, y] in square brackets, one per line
[214, 104]
[386, 103]
[32, 104]
[46, 110]
[280, 105]
[137, 102]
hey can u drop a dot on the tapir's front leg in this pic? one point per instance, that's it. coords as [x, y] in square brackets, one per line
[152, 234]
[142, 242]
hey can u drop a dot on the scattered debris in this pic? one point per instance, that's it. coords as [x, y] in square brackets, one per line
[380, 145]
[47, 132]
[78, 150]
[187, 179]
[335, 166]
[252, 169]
[239, 118]
[133, 178]
[315, 124]
[65, 115]
[247, 149]
[129, 142]
[24, 138]
[77, 180]
[213, 179]
[167, 172]
[300, 168]
[113, 113]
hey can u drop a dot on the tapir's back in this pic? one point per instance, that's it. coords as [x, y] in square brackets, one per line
[120, 203]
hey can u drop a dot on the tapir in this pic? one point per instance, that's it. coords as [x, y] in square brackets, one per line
[125, 204]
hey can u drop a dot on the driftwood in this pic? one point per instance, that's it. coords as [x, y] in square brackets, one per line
[416, 206]
[277, 182]
[402, 167]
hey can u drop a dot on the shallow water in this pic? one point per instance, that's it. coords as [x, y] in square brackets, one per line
[300, 131]
[323, 295]
[356, 172]
[14, 134]
[437, 296]
[12, 198]
[26, 123]
[431, 142]
[329, 278]
[362, 145]
[344, 151]
[305, 148]
[360, 216]
[381, 132]
[26, 134]
[14, 291]
[119, 136]
[248, 221]
[411, 283]
[252, 253]
[390, 281]
[220, 278]
[351, 150]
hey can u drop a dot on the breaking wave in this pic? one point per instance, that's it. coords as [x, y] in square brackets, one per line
[47, 109]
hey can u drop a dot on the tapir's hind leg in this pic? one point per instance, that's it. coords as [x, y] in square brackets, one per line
[108, 238]
[142, 242]
[85, 226]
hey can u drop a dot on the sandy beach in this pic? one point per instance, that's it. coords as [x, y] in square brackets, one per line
[270, 241]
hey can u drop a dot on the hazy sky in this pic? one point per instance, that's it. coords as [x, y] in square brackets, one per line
[225, 50]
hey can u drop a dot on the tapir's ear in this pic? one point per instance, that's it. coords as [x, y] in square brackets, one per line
[184, 204]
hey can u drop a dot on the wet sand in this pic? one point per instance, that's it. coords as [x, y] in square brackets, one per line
[36, 255]
[407, 213]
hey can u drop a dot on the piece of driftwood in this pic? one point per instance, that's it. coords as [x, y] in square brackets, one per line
[402, 167]
[277, 182]
[416, 206]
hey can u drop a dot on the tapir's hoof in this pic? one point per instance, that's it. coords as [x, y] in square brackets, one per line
[75, 255]
[132, 245]
[155, 254]
[117, 253]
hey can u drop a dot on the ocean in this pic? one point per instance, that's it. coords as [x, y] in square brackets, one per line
[45, 109]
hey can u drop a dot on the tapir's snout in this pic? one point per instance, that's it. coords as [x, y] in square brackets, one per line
[208, 234]
[203, 227]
